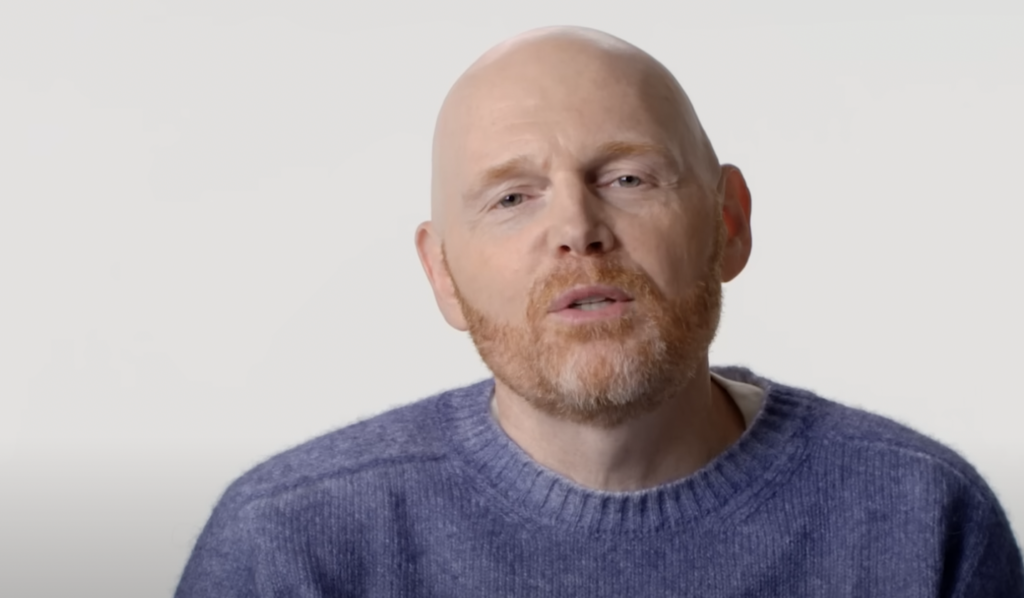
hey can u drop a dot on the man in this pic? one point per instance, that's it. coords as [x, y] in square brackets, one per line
[581, 228]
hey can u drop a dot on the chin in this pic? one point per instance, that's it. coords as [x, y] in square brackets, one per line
[610, 373]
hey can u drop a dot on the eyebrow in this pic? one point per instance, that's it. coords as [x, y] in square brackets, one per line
[606, 151]
[627, 149]
[498, 173]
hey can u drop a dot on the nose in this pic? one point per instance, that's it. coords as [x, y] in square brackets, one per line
[578, 222]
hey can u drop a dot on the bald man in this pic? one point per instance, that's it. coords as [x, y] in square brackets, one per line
[581, 229]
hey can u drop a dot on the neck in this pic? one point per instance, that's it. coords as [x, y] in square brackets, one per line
[690, 427]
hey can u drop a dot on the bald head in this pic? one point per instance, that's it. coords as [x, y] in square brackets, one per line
[569, 159]
[554, 73]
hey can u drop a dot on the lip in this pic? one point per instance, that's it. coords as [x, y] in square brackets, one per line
[571, 296]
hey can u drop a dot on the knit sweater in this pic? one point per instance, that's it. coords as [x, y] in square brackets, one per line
[433, 499]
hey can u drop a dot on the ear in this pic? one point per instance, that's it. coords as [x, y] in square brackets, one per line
[428, 246]
[736, 215]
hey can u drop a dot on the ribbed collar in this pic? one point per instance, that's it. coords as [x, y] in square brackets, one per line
[767, 449]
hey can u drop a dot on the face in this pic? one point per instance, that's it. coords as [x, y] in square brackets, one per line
[574, 181]
[603, 370]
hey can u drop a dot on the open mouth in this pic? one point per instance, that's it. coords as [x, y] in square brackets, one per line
[592, 304]
[589, 298]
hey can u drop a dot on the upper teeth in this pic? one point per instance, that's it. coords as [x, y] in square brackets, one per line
[591, 300]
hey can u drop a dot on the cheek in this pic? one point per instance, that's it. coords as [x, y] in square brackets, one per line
[497, 287]
[673, 252]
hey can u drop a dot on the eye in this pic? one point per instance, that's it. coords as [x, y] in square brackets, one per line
[511, 200]
[629, 180]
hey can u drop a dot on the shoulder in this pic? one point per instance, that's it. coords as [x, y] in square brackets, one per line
[891, 484]
[851, 446]
[891, 473]
[867, 444]
[403, 436]
[331, 489]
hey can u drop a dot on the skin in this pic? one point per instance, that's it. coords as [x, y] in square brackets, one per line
[566, 157]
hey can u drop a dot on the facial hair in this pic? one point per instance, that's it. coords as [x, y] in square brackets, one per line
[608, 371]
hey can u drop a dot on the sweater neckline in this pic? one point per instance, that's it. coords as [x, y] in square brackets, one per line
[771, 445]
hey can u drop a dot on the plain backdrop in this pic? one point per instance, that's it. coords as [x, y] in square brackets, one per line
[207, 214]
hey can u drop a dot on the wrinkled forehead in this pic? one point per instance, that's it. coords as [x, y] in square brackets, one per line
[509, 108]
[560, 94]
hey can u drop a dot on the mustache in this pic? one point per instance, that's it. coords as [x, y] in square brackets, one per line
[590, 271]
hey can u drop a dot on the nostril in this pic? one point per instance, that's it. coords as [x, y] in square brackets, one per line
[594, 247]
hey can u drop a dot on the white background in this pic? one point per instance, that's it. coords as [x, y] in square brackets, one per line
[207, 210]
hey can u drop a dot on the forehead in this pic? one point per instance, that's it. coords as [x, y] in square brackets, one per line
[528, 108]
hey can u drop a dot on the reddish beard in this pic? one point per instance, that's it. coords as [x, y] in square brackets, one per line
[609, 371]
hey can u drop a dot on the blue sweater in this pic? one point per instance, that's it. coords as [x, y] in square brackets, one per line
[433, 499]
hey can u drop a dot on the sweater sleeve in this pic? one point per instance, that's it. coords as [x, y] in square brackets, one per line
[995, 569]
[222, 562]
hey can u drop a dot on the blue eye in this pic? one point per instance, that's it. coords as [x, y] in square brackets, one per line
[628, 180]
[511, 200]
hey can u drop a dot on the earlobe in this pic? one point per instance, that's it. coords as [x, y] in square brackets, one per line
[428, 247]
[736, 208]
